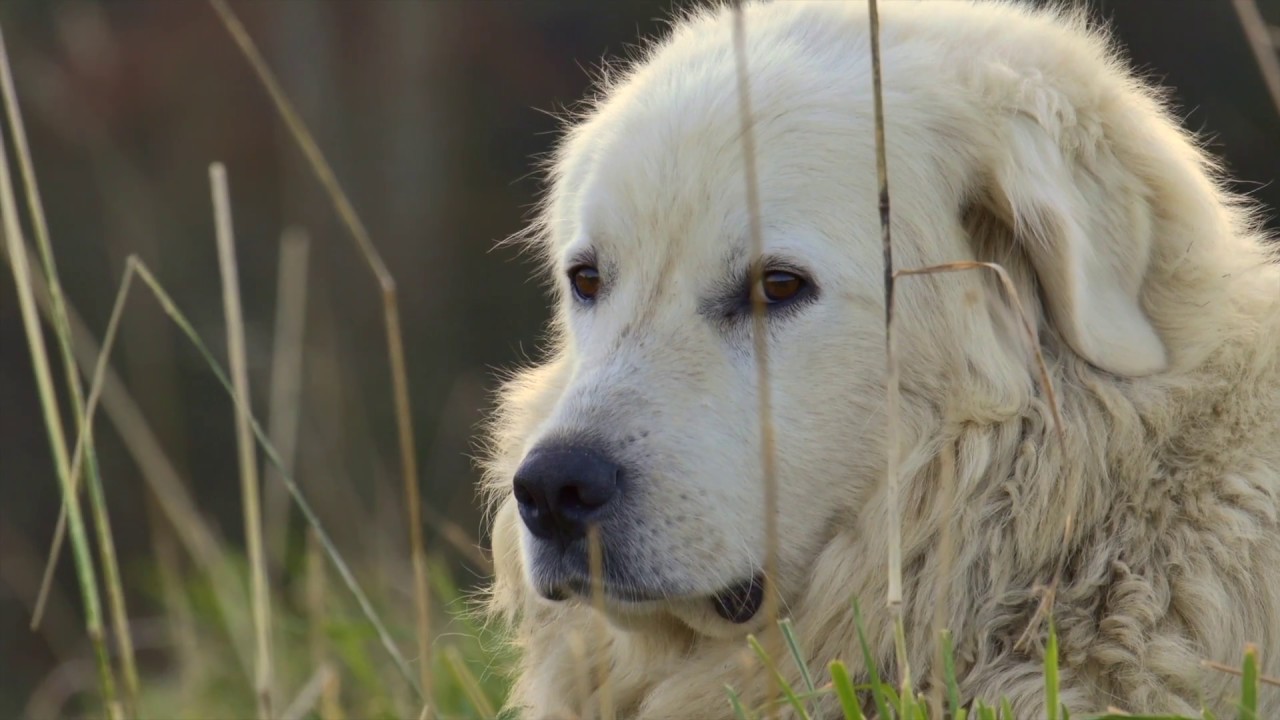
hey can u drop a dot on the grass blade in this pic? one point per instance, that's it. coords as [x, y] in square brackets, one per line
[844, 690]
[22, 278]
[467, 680]
[1249, 684]
[157, 470]
[1051, 674]
[344, 570]
[97, 498]
[949, 673]
[877, 687]
[310, 694]
[787, 691]
[789, 635]
[735, 703]
[163, 478]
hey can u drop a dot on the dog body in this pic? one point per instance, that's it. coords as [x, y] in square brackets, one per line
[1013, 136]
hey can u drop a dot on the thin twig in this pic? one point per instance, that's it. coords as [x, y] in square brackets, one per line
[391, 311]
[1264, 679]
[759, 333]
[1029, 331]
[249, 486]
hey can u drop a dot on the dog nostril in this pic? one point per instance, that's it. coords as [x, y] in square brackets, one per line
[571, 499]
[560, 489]
[523, 496]
[588, 496]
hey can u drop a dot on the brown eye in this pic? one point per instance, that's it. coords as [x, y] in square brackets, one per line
[586, 281]
[780, 286]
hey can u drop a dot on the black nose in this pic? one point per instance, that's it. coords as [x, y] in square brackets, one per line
[562, 489]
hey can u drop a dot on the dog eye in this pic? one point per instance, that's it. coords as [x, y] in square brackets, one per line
[780, 286]
[586, 282]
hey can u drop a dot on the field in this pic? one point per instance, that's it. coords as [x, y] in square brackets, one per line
[275, 513]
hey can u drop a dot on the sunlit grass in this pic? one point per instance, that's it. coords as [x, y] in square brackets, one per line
[879, 699]
[334, 650]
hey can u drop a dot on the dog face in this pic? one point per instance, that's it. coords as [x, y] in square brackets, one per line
[650, 430]
[656, 436]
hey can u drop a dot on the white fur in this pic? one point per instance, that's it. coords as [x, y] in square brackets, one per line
[1014, 136]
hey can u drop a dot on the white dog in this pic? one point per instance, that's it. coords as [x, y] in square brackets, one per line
[1014, 136]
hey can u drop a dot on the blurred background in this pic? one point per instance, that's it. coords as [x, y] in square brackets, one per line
[432, 113]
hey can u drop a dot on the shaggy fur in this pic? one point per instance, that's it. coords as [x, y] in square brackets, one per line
[1014, 136]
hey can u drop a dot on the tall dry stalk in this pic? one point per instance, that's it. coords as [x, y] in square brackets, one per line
[946, 550]
[1264, 50]
[391, 313]
[158, 471]
[249, 487]
[595, 561]
[97, 497]
[312, 693]
[23, 277]
[760, 335]
[892, 379]
[317, 615]
[581, 673]
[163, 479]
[285, 401]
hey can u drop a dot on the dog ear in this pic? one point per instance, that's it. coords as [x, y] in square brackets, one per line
[1082, 219]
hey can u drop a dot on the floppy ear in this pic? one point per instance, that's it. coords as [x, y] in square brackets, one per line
[1083, 220]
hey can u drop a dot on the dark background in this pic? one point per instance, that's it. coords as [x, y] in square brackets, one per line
[431, 113]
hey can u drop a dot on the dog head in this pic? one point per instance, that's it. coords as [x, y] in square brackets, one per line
[1010, 138]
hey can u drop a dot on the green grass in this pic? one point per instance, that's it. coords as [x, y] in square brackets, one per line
[890, 703]
[336, 647]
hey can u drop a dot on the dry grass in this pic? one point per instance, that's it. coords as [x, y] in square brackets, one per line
[17, 256]
[251, 496]
[759, 333]
[325, 661]
[391, 315]
[285, 403]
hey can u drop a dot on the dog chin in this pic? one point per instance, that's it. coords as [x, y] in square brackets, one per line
[729, 612]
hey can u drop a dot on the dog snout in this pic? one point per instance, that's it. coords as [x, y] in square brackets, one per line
[563, 489]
